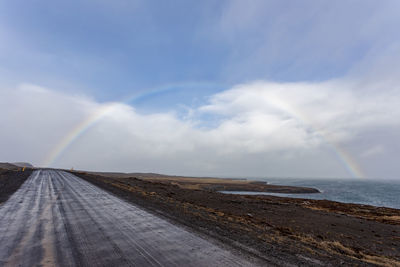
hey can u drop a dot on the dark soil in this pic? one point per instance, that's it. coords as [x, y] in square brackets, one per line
[212, 184]
[251, 187]
[297, 231]
[10, 181]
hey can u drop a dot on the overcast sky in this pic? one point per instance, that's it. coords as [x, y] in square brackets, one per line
[214, 88]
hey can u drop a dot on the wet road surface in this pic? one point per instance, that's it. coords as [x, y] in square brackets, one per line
[58, 219]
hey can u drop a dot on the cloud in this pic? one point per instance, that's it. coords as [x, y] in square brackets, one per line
[335, 108]
[254, 129]
[373, 151]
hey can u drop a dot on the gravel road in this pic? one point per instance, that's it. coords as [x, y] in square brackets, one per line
[58, 219]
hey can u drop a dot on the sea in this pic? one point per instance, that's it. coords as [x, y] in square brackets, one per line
[370, 192]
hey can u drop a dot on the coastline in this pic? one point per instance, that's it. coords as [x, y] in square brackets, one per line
[214, 184]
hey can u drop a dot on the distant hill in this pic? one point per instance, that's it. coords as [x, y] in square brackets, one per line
[22, 164]
[128, 175]
[15, 165]
[8, 166]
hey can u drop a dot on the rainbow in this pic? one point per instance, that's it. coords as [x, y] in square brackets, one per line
[343, 156]
[349, 162]
[75, 133]
[103, 110]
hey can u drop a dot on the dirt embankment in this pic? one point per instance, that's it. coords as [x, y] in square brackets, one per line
[291, 230]
[11, 180]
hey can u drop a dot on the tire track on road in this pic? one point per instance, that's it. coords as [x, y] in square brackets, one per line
[56, 218]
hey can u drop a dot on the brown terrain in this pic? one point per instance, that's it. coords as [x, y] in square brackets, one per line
[310, 232]
[212, 184]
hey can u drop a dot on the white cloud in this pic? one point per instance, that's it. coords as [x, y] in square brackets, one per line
[335, 108]
[373, 151]
[261, 129]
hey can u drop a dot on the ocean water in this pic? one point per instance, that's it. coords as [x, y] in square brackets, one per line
[376, 193]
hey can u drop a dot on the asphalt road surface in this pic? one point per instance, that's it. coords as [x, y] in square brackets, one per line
[58, 219]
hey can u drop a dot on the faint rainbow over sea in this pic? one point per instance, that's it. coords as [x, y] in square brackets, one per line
[341, 154]
[349, 162]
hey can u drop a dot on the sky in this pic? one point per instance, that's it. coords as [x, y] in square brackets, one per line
[256, 88]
